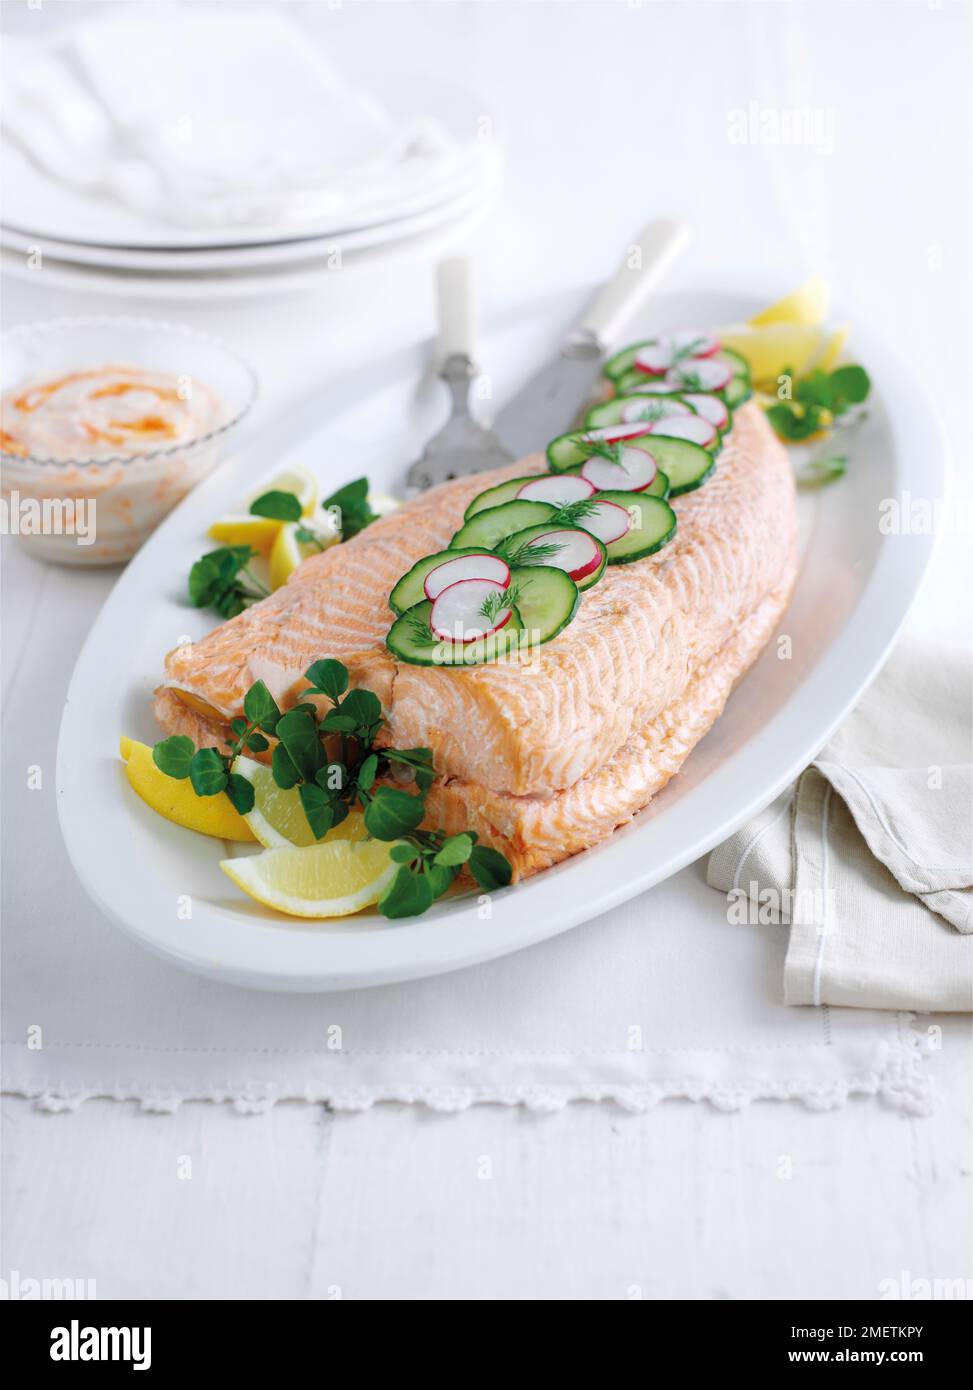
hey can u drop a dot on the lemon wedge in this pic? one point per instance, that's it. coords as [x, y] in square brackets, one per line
[278, 820]
[807, 306]
[776, 348]
[176, 800]
[828, 358]
[332, 879]
[243, 528]
[288, 551]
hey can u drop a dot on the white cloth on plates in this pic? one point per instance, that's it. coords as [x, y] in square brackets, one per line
[211, 117]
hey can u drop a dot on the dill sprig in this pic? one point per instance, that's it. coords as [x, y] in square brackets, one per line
[530, 553]
[570, 513]
[497, 601]
[602, 449]
[687, 350]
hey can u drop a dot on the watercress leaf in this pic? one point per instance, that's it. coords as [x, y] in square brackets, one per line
[298, 732]
[317, 808]
[285, 773]
[240, 792]
[791, 424]
[414, 757]
[489, 867]
[239, 725]
[335, 723]
[363, 707]
[332, 778]
[329, 677]
[207, 772]
[350, 495]
[403, 853]
[408, 895]
[230, 603]
[391, 814]
[456, 850]
[339, 810]
[367, 771]
[173, 755]
[850, 386]
[819, 472]
[259, 705]
[351, 503]
[257, 743]
[211, 579]
[815, 389]
[204, 582]
[282, 506]
[440, 877]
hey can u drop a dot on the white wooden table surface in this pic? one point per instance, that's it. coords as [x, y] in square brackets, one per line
[608, 113]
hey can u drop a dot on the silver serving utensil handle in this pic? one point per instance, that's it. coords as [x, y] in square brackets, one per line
[462, 446]
[647, 260]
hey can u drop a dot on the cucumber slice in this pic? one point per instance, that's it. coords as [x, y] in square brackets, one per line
[623, 362]
[653, 526]
[740, 365]
[546, 600]
[685, 465]
[610, 412]
[488, 528]
[738, 392]
[660, 485]
[410, 639]
[409, 591]
[496, 496]
[522, 539]
[567, 452]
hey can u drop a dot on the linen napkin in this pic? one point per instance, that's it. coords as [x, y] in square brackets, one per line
[868, 857]
[199, 117]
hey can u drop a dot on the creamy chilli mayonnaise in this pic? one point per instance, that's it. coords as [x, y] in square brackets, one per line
[128, 440]
[105, 412]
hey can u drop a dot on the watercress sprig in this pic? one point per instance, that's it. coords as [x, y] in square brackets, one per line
[221, 579]
[208, 769]
[817, 398]
[332, 761]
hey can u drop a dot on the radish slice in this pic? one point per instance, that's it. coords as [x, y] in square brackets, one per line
[576, 553]
[484, 566]
[701, 374]
[557, 489]
[609, 522]
[633, 472]
[654, 359]
[711, 408]
[699, 344]
[692, 427]
[469, 609]
[651, 411]
[651, 388]
[611, 434]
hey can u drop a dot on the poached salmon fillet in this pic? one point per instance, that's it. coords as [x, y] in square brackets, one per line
[546, 757]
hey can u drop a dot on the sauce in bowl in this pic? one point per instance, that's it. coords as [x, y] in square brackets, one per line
[105, 424]
[104, 413]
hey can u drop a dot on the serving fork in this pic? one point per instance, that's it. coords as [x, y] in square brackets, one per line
[551, 400]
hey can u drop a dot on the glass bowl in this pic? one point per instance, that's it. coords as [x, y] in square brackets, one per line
[97, 509]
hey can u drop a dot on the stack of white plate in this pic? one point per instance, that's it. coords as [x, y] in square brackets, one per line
[93, 226]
